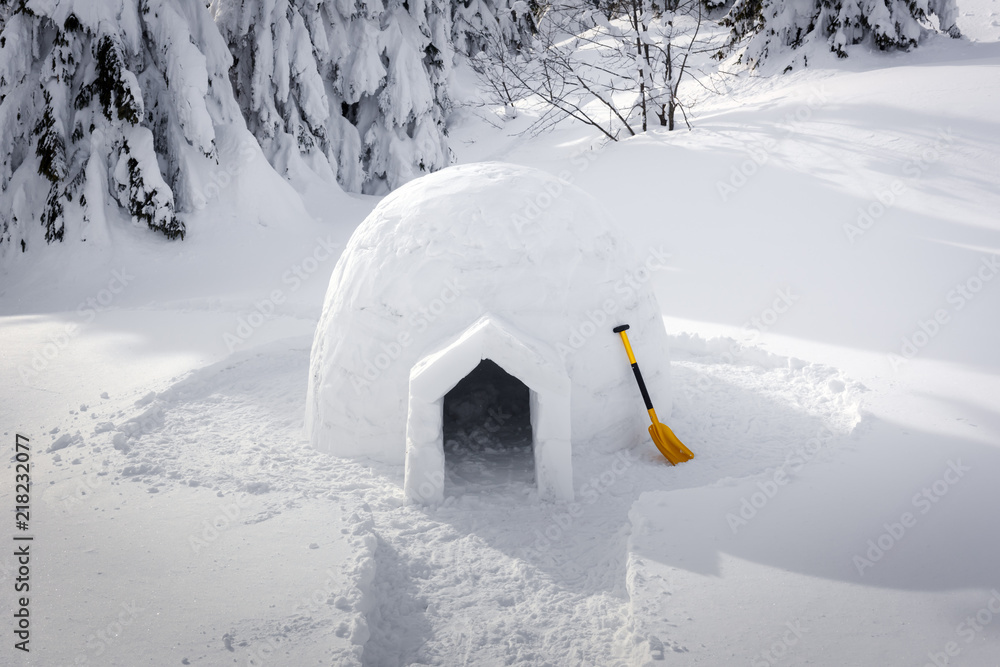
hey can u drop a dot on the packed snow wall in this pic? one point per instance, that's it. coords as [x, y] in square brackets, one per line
[495, 241]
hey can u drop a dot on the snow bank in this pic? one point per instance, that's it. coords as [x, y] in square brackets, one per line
[484, 240]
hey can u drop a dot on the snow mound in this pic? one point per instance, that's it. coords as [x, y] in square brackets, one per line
[484, 242]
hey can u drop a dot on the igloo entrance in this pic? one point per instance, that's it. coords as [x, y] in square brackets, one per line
[486, 425]
[525, 361]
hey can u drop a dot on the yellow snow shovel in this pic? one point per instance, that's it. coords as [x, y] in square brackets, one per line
[665, 440]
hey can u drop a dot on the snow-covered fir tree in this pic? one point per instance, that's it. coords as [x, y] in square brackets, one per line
[479, 24]
[358, 88]
[771, 26]
[105, 101]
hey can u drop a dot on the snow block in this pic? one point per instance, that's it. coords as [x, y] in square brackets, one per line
[485, 261]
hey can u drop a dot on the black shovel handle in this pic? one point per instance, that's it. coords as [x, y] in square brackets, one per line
[621, 329]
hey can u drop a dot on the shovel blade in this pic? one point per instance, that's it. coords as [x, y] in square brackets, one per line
[668, 444]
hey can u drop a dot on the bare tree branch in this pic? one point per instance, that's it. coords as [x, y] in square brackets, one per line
[626, 57]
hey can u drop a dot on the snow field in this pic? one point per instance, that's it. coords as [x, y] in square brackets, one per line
[189, 577]
[214, 428]
[490, 577]
[827, 476]
[877, 566]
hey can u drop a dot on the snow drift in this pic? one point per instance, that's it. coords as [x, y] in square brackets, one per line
[527, 267]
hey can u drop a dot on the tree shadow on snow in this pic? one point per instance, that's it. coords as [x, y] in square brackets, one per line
[740, 419]
[850, 479]
[809, 208]
[842, 486]
[898, 508]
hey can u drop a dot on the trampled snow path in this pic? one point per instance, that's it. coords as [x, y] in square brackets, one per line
[495, 578]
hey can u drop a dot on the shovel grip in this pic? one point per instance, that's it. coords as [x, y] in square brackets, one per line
[642, 387]
[620, 330]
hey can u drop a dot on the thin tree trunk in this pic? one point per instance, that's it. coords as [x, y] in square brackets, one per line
[638, 56]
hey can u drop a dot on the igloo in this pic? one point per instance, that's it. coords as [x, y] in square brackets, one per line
[498, 273]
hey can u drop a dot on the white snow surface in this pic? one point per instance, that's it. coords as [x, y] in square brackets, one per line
[473, 241]
[142, 410]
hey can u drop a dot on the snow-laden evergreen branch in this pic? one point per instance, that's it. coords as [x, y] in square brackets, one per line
[105, 102]
[762, 28]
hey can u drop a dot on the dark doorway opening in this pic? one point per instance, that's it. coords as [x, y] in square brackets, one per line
[487, 432]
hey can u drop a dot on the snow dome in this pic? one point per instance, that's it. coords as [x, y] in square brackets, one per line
[483, 297]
